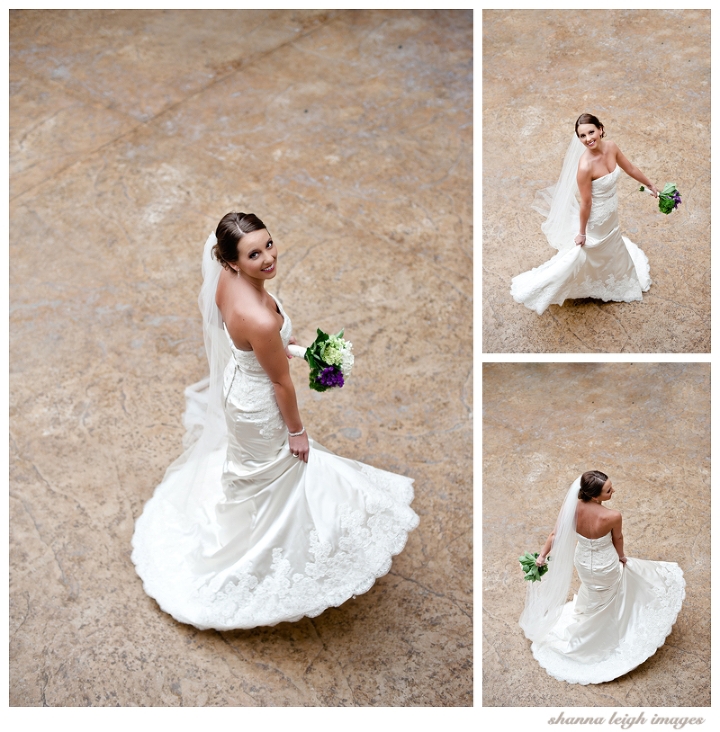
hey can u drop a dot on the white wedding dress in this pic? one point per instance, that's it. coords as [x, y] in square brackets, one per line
[619, 618]
[240, 533]
[608, 267]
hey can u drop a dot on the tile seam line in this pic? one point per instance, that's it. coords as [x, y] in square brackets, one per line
[159, 115]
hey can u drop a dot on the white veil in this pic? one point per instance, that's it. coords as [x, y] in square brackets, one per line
[544, 600]
[217, 349]
[559, 203]
[204, 417]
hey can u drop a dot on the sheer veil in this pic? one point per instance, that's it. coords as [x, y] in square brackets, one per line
[559, 203]
[544, 600]
[204, 418]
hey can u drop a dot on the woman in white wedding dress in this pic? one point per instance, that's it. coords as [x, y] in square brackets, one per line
[256, 523]
[594, 259]
[625, 607]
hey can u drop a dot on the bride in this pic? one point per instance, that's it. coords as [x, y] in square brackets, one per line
[593, 260]
[625, 607]
[256, 523]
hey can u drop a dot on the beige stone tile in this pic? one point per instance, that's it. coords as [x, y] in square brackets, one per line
[50, 130]
[140, 62]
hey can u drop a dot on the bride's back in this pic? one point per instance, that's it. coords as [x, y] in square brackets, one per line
[593, 521]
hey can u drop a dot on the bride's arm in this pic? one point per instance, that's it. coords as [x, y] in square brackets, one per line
[546, 549]
[267, 345]
[634, 172]
[584, 181]
[617, 537]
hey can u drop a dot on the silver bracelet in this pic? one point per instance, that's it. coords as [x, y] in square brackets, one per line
[296, 434]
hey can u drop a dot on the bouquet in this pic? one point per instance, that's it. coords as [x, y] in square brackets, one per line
[668, 199]
[330, 358]
[533, 573]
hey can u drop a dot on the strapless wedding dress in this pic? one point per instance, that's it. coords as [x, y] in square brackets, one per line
[253, 536]
[608, 267]
[619, 618]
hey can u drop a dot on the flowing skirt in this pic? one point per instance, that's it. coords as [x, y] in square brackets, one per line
[607, 267]
[619, 618]
[253, 536]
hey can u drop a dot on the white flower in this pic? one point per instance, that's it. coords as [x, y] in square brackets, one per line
[347, 359]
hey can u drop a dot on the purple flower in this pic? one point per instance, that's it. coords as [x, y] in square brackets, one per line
[331, 376]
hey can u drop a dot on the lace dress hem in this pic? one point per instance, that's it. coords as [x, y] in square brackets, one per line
[655, 625]
[236, 599]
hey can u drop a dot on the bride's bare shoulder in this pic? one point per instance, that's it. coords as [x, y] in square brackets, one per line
[249, 317]
[584, 171]
[585, 162]
[612, 516]
[242, 311]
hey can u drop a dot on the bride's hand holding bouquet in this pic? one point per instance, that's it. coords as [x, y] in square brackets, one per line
[330, 358]
[668, 198]
[534, 566]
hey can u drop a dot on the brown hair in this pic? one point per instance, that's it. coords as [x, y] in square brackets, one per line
[589, 119]
[592, 481]
[230, 230]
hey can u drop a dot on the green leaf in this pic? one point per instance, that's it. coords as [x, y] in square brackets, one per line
[533, 573]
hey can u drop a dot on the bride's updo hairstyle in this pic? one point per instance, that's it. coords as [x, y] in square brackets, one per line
[589, 119]
[592, 481]
[230, 230]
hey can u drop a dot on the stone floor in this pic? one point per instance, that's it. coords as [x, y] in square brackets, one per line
[646, 75]
[131, 134]
[648, 427]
